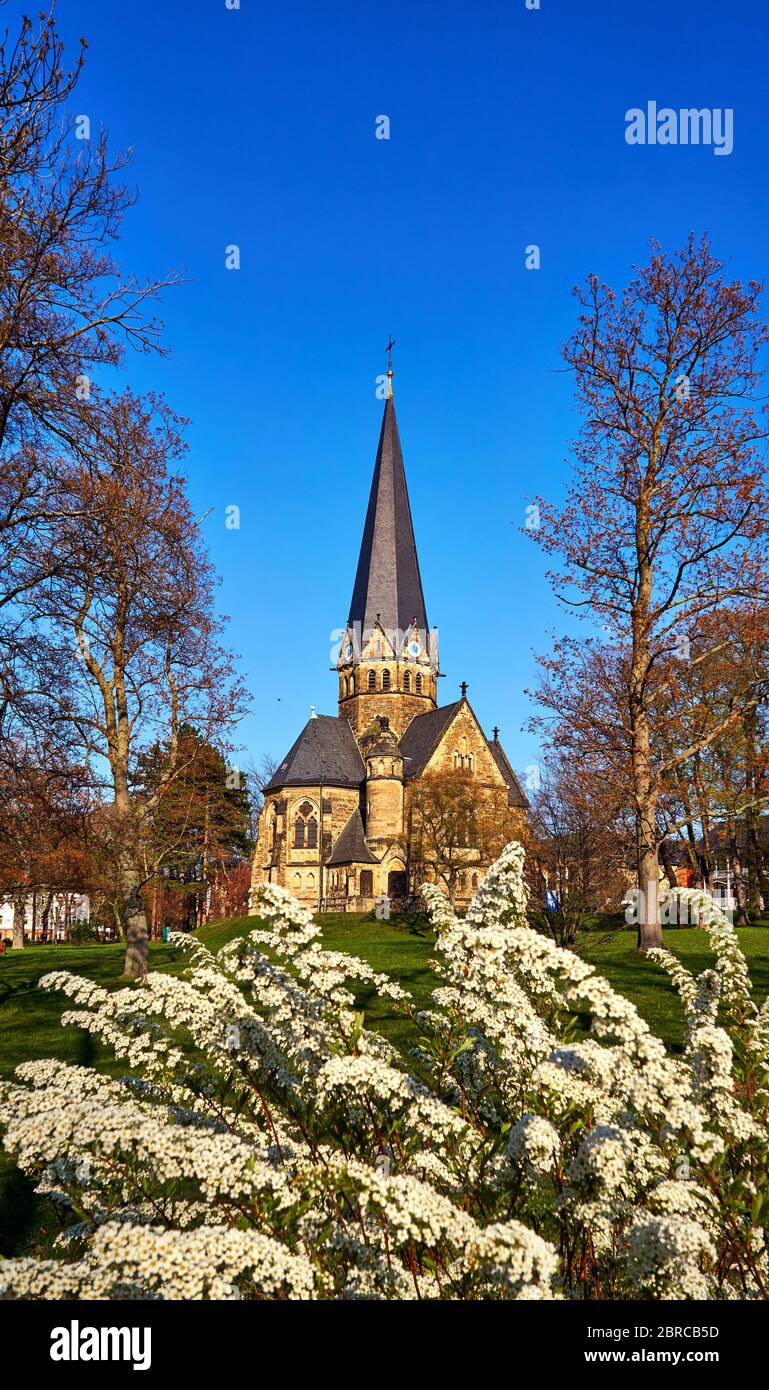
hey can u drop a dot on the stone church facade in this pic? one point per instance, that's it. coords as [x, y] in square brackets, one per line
[336, 827]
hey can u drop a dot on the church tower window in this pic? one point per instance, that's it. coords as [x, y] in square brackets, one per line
[372, 680]
[419, 683]
[407, 680]
[385, 680]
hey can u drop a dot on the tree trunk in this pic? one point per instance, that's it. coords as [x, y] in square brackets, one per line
[46, 913]
[644, 782]
[135, 919]
[649, 924]
[19, 916]
[667, 864]
[741, 917]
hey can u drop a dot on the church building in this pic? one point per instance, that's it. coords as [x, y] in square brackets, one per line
[338, 825]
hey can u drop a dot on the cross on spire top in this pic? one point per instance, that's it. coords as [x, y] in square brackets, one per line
[389, 351]
[463, 688]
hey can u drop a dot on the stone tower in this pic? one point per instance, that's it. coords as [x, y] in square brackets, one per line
[388, 663]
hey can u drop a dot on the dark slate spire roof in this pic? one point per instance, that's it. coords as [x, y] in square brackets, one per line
[325, 752]
[422, 736]
[350, 846]
[387, 582]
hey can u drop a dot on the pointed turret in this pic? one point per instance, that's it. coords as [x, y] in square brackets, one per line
[388, 586]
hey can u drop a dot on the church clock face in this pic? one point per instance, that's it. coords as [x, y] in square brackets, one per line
[348, 653]
[413, 648]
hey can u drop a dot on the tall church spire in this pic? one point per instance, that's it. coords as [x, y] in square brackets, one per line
[388, 587]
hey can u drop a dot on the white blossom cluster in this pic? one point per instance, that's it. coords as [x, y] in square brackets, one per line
[540, 1143]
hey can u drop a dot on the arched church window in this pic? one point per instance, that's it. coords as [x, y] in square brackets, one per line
[273, 829]
[310, 880]
[312, 833]
[372, 680]
[456, 759]
[470, 761]
[299, 833]
[419, 683]
[297, 881]
[407, 680]
[385, 680]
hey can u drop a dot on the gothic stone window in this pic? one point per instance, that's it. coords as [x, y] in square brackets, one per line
[305, 827]
[372, 680]
[385, 680]
[407, 680]
[366, 883]
[419, 683]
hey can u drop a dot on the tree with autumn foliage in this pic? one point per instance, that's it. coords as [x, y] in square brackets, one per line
[715, 806]
[456, 825]
[577, 861]
[665, 521]
[200, 831]
[132, 609]
[44, 814]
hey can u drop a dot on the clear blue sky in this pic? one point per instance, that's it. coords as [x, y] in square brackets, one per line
[257, 127]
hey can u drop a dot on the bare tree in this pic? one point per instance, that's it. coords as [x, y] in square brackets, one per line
[134, 592]
[665, 521]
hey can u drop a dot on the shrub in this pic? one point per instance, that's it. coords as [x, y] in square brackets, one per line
[293, 1154]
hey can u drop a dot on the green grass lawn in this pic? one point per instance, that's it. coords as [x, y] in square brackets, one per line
[30, 1026]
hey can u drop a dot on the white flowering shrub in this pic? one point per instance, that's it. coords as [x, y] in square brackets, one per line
[268, 1145]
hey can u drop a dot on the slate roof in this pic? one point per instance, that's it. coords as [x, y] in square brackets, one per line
[517, 797]
[350, 846]
[325, 752]
[422, 736]
[387, 581]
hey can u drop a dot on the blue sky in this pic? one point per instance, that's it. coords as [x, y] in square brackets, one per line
[257, 127]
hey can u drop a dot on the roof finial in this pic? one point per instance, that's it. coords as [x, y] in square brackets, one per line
[495, 732]
[463, 688]
[389, 351]
[313, 715]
